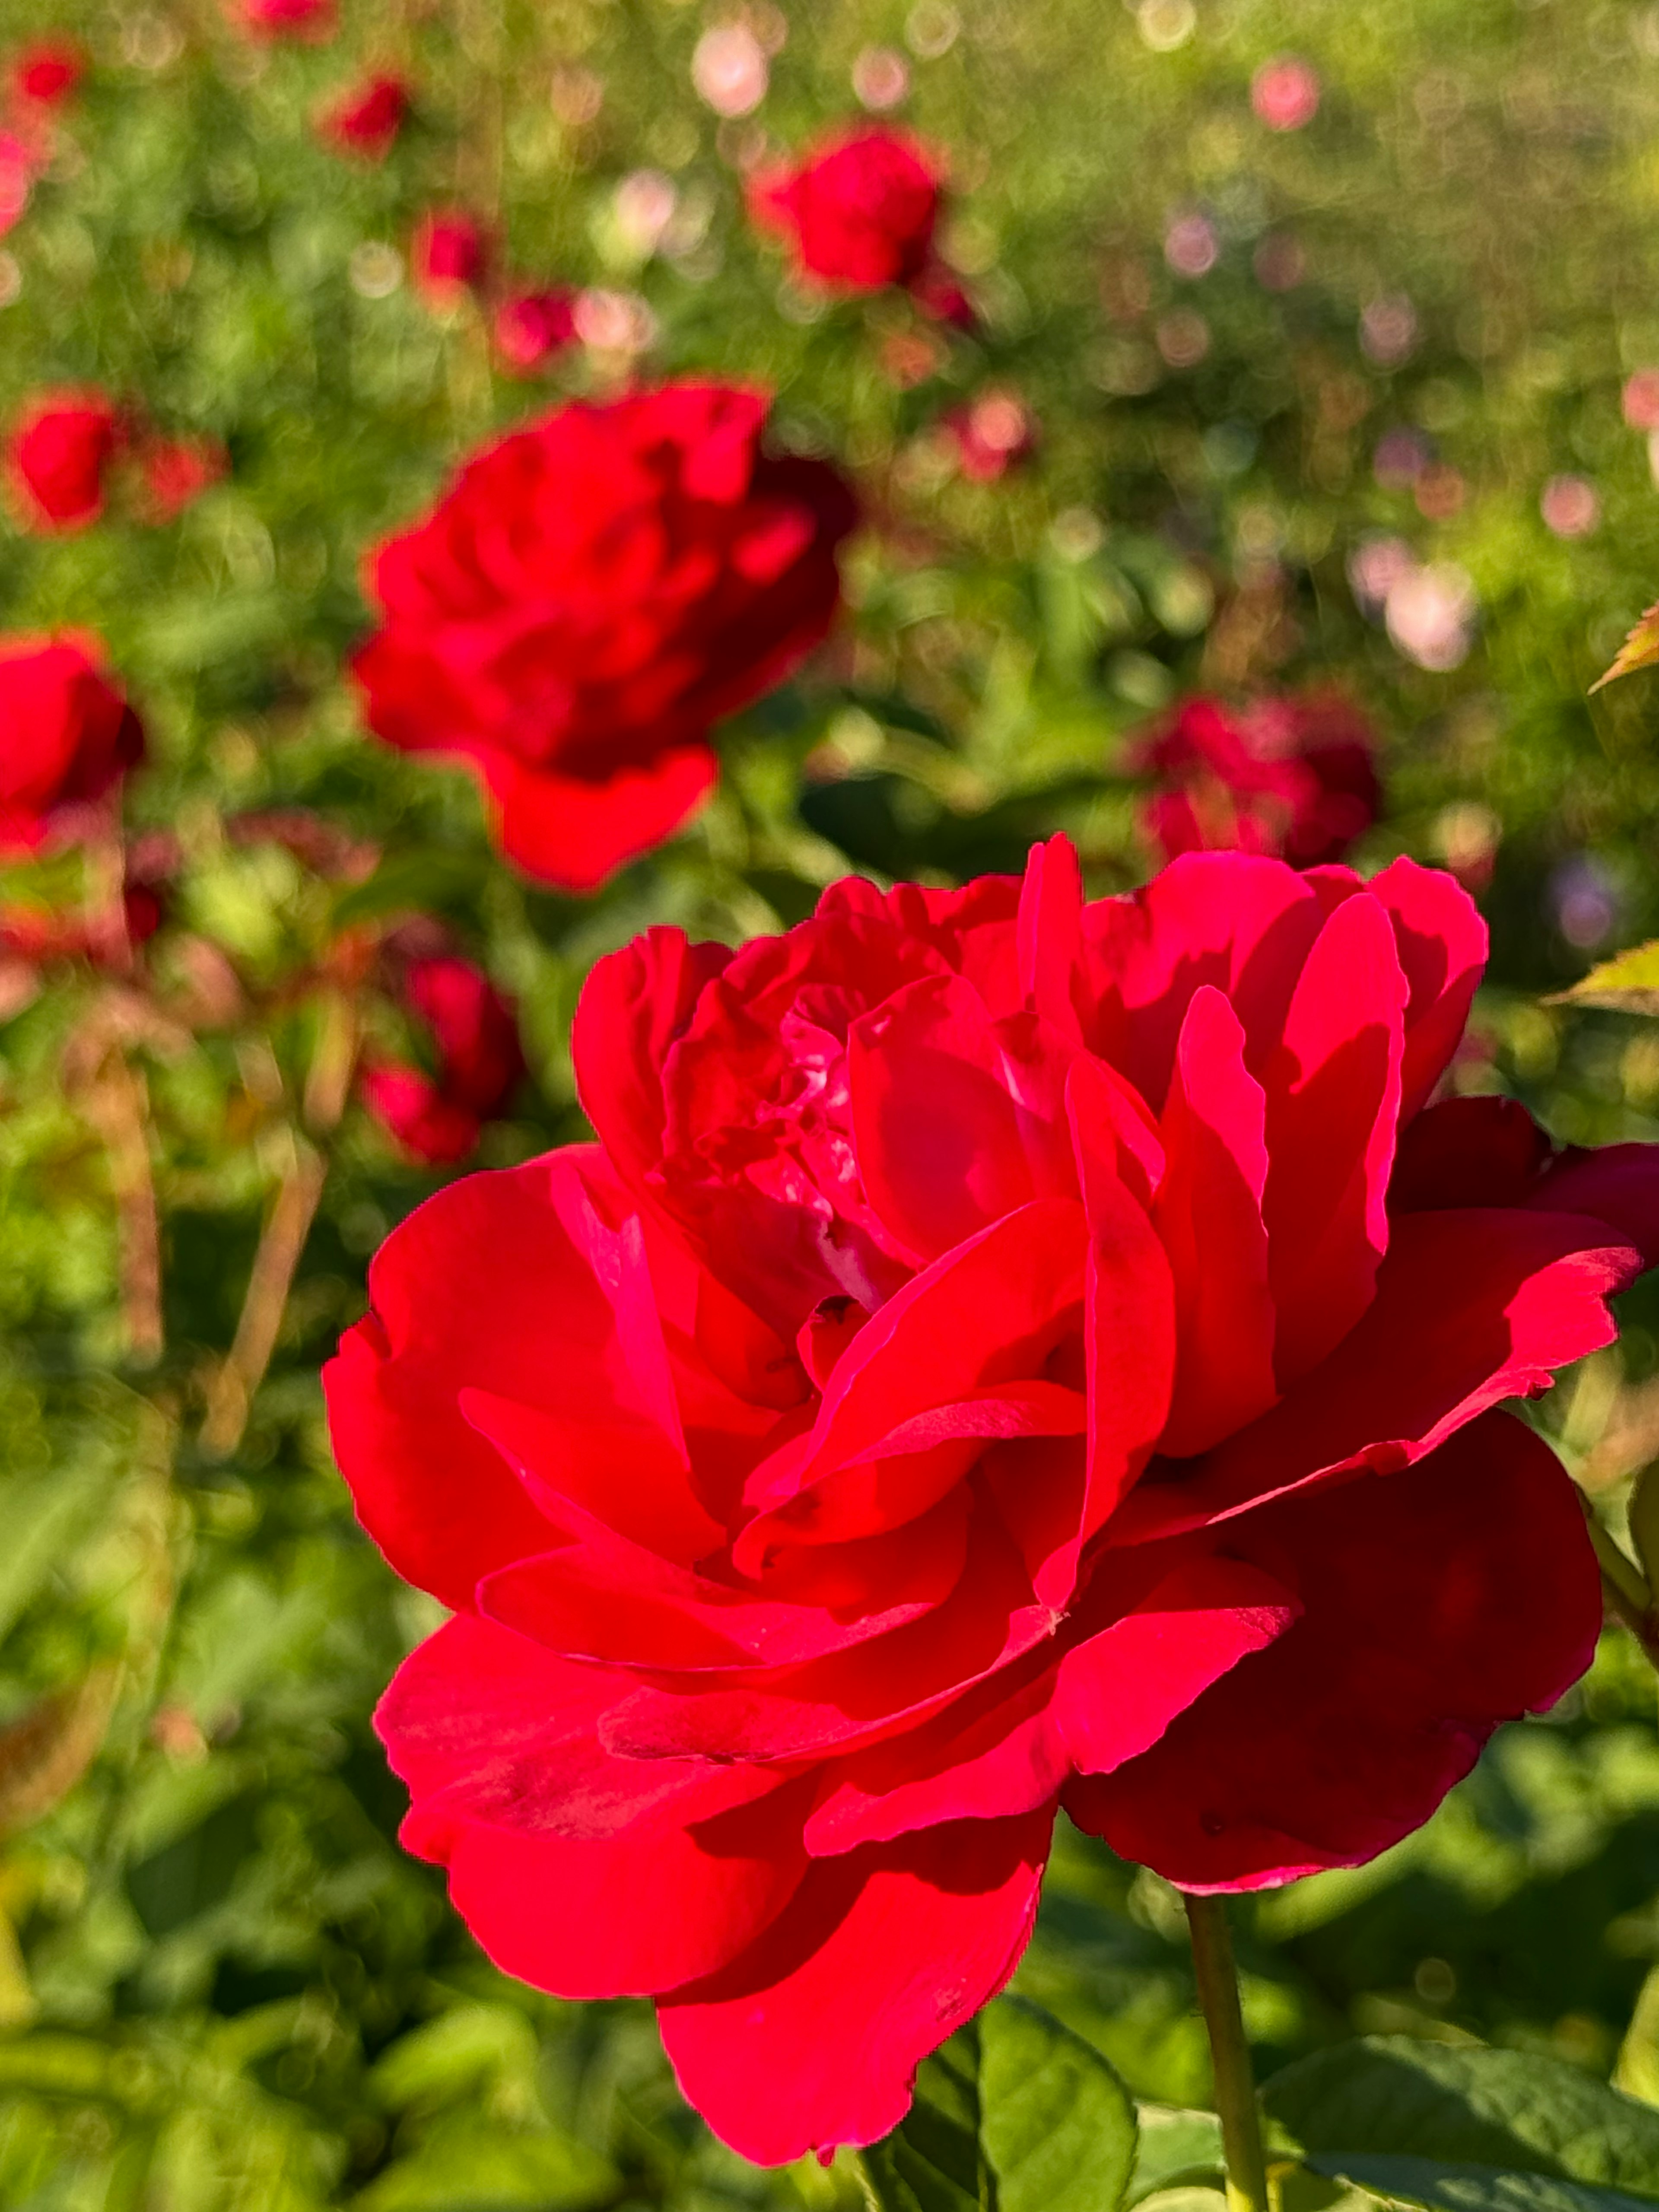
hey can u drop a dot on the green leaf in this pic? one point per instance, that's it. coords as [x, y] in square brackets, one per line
[1014, 2114]
[1177, 2148]
[1446, 2186]
[1627, 984]
[1505, 2110]
[478, 2168]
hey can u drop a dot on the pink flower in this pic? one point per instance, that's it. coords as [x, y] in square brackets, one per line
[990, 434]
[531, 327]
[364, 119]
[1284, 94]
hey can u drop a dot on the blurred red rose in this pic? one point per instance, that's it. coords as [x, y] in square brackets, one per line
[60, 451]
[588, 599]
[1000, 1351]
[364, 119]
[16, 180]
[312, 21]
[530, 327]
[178, 471]
[858, 210]
[474, 1035]
[66, 736]
[1293, 776]
[448, 256]
[990, 434]
[47, 70]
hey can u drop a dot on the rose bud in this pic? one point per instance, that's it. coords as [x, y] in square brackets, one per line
[1294, 777]
[364, 119]
[448, 256]
[48, 71]
[58, 454]
[176, 472]
[531, 327]
[313, 21]
[650, 569]
[1001, 1353]
[858, 212]
[67, 736]
[474, 1036]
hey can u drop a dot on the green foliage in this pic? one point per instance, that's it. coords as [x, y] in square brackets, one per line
[1014, 2114]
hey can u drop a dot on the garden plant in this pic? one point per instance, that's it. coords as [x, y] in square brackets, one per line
[829, 1106]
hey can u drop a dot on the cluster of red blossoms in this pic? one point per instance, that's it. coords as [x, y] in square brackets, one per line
[1295, 777]
[44, 74]
[64, 444]
[1001, 1353]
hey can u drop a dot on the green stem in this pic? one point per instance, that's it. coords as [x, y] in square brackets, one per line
[1235, 2080]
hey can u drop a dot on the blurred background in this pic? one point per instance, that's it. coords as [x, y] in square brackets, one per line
[1301, 350]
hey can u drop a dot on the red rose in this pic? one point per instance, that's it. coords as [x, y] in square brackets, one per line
[858, 212]
[1295, 777]
[60, 451]
[474, 1034]
[530, 327]
[589, 598]
[46, 71]
[990, 434]
[1000, 1351]
[312, 21]
[16, 180]
[66, 735]
[176, 472]
[448, 256]
[366, 118]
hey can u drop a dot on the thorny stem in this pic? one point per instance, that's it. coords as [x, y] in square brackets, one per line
[1235, 2080]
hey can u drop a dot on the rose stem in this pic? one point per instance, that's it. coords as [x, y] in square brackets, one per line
[1235, 2081]
[328, 1086]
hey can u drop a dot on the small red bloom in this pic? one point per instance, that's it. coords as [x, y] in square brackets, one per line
[364, 119]
[67, 736]
[1001, 1352]
[46, 72]
[858, 211]
[531, 327]
[589, 598]
[448, 256]
[312, 21]
[990, 434]
[58, 454]
[16, 180]
[1294, 777]
[177, 471]
[474, 1036]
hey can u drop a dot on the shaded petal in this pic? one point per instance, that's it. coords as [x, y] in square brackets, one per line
[1438, 1602]
[634, 1005]
[1442, 946]
[812, 2039]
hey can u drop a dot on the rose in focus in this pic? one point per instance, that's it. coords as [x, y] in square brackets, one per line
[1001, 1353]
[472, 1034]
[1295, 777]
[67, 736]
[591, 595]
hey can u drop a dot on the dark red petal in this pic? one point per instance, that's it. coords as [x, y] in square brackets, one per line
[1472, 1308]
[813, 2037]
[1438, 1602]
